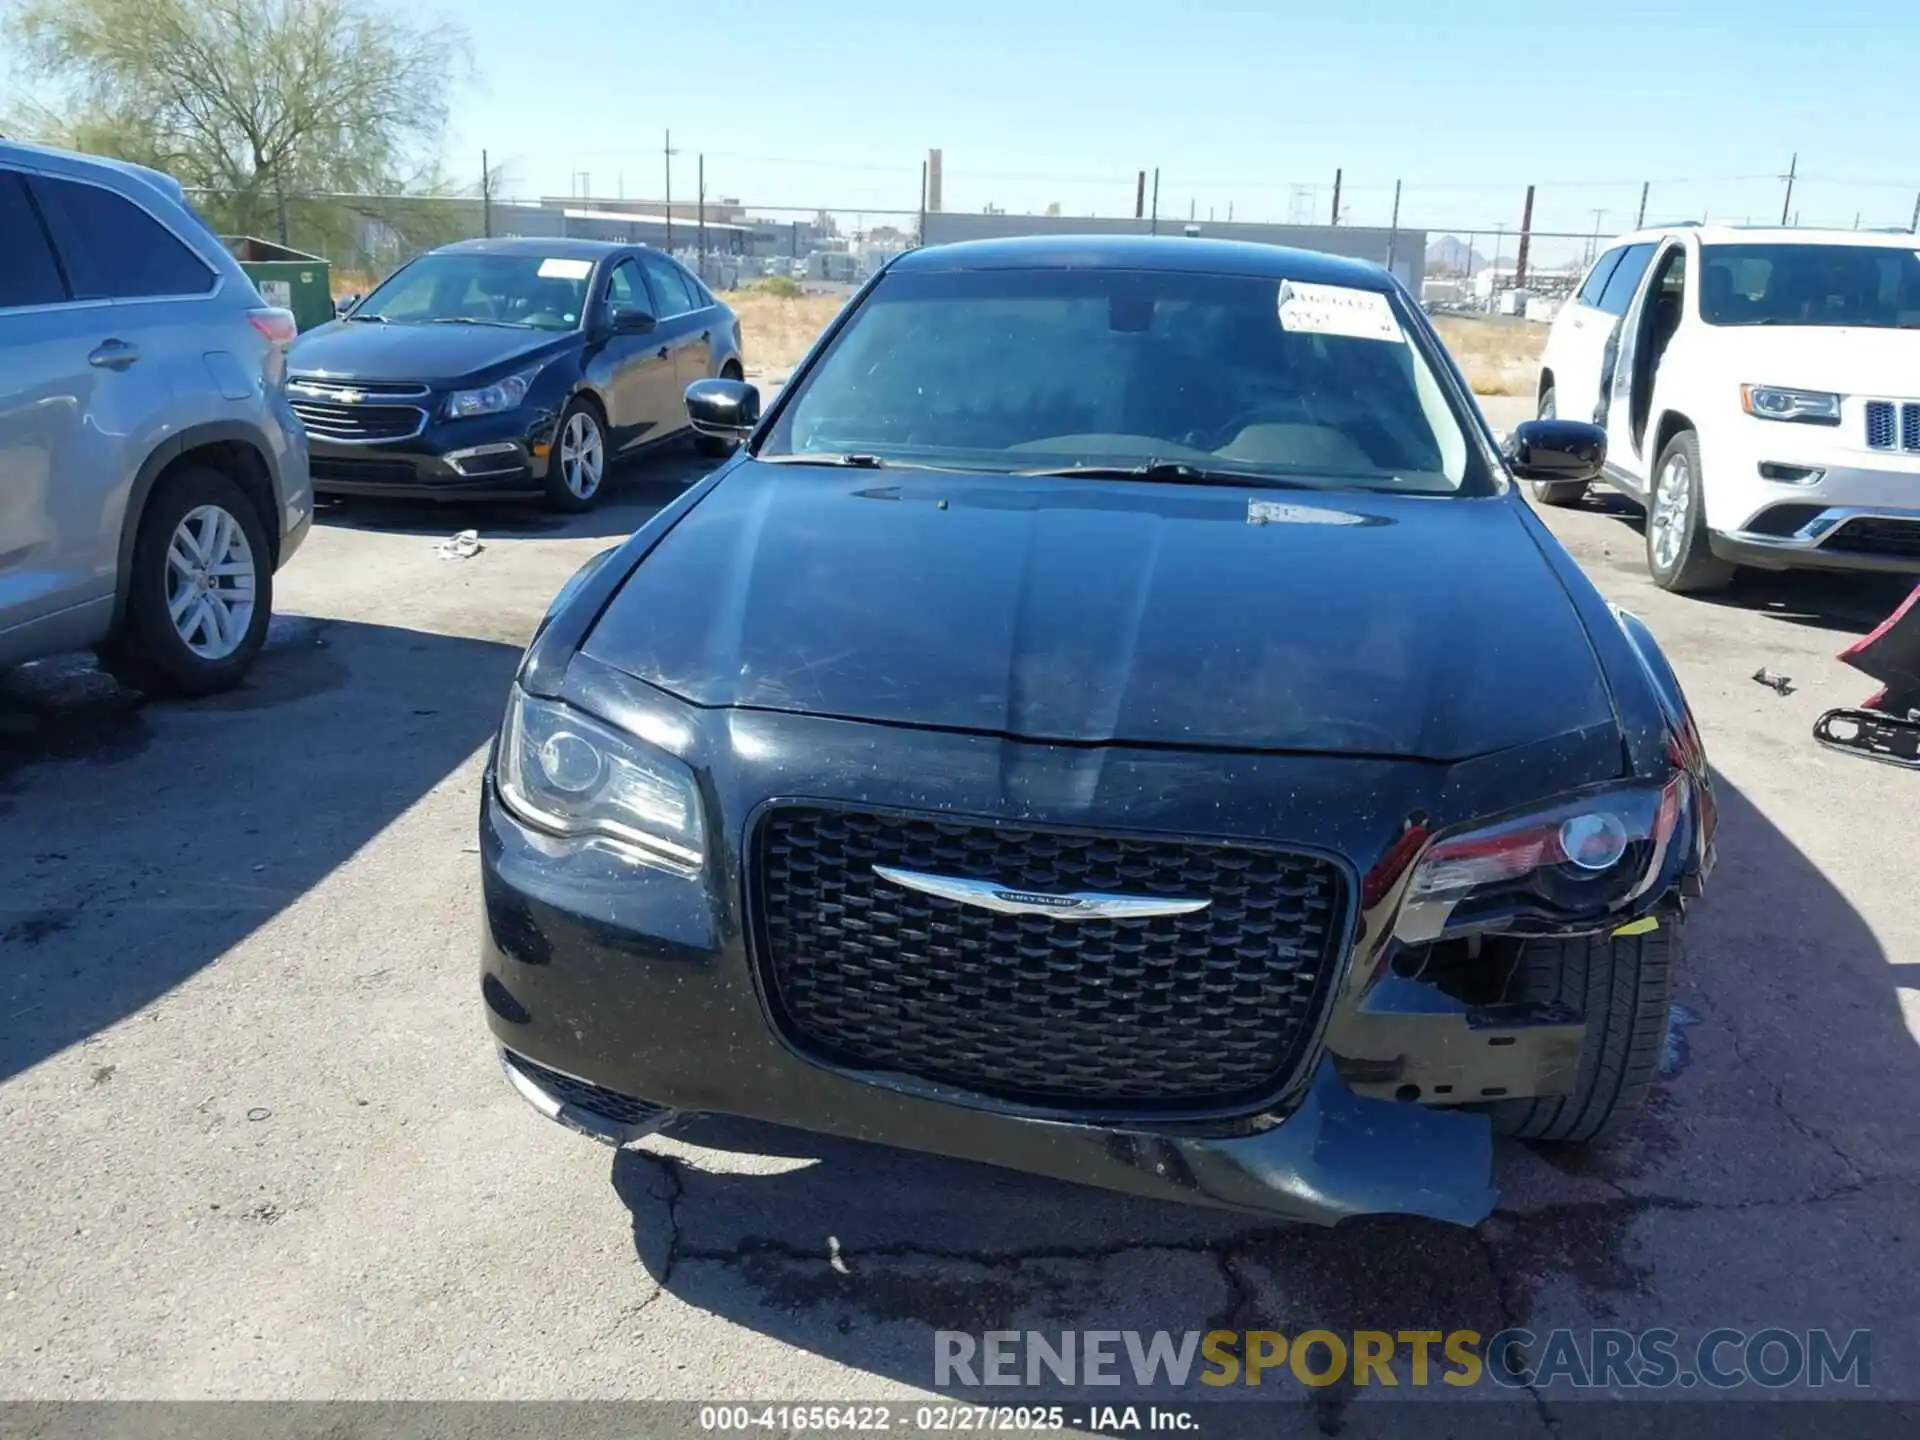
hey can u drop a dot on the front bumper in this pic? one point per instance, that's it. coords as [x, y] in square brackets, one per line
[1880, 539]
[639, 1004]
[492, 456]
[621, 994]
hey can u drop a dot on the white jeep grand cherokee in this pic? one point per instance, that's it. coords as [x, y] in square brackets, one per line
[1761, 395]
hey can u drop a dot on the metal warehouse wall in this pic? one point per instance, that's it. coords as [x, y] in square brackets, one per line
[1409, 247]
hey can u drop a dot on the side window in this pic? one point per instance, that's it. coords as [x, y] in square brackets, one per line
[1597, 277]
[113, 249]
[626, 286]
[1625, 279]
[671, 285]
[28, 273]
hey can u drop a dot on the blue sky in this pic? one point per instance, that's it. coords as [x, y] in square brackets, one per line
[834, 103]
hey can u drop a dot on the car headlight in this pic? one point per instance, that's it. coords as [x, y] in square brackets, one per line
[1575, 861]
[503, 394]
[564, 772]
[1775, 402]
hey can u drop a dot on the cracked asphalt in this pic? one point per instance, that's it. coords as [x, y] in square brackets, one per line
[254, 1143]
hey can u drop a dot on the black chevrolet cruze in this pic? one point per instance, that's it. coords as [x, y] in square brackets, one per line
[508, 368]
[1114, 718]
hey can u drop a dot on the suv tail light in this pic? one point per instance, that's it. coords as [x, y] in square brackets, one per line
[276, 325]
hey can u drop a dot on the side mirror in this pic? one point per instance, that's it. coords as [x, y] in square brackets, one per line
[1555, 450]
[724, 409]
[630, 320]
[344, 305]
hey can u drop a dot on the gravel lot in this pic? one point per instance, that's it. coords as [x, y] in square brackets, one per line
[255, 1144]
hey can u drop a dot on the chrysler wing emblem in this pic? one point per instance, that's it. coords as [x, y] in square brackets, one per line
[1082, 905]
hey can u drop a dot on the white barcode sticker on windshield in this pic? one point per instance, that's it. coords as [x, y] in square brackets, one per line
[565, 269]
[1337, 310]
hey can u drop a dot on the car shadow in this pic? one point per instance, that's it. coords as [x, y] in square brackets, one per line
[1786, 1010]
[140, 840]
[635, 489]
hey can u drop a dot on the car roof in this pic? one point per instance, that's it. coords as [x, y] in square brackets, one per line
[558, 247]
[1769, 235]
[27, 153]
[1147, 252]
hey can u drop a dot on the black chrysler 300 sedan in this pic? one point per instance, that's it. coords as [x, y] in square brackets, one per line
[1114, 718]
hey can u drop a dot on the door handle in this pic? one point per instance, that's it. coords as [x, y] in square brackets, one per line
[706, 335]
[663, 352]
[113, 355]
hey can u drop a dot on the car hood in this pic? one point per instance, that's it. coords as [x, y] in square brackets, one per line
[1853, 360]
[1087, 611]
[421, 354]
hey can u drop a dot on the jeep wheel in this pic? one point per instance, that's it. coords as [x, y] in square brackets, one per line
[1677, 552]
[1621, 984]
[200, 592]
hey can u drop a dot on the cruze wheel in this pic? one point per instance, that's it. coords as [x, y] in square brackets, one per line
[577, 465]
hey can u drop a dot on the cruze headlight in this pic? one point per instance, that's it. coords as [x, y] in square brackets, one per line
[1775, 402]
[503, 394]
[564, 772]
[1573, 862]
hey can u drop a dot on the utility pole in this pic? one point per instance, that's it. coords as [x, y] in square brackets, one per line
[1787, 204]
[1190, 205]
[1593, 245]
[1640, 219]
[1913, 226]
[1155, 222]
[1856, 219]
[669, 152]
[920, 236]
[1526, 241]
[702, 213]
[1140, 196]
[1336, 195]
[486, 197]
[1393, 229]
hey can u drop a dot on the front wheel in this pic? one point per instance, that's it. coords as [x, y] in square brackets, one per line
[1678, 555]
[578, 463]
[200, 592]
[1554, 492]
[1622, 984]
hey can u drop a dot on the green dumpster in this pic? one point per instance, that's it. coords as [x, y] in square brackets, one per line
[291, 279]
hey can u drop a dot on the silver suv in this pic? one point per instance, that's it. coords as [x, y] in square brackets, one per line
[152, 476]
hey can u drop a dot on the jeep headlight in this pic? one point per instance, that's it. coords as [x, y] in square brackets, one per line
[564, 772]
[502, 395]
[1776, 402]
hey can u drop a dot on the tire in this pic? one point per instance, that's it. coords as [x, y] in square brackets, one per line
[1622, 984]
[712, 446]
[1678, 556]
[201, 549]
[1554, 492]
[577, 464]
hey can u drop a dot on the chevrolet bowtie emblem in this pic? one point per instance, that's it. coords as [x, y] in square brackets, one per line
[1080, 905]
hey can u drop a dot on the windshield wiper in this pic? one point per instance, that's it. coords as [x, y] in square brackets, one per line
[472, 320]
[855, 462]
[1176, 471]
[369, 319]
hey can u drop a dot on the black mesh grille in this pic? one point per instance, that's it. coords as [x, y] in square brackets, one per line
[625, 1109]
[1873, 535]
[1189, 1011]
